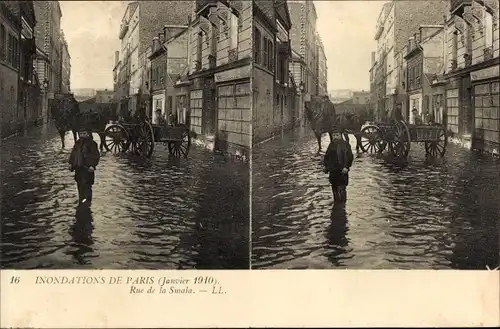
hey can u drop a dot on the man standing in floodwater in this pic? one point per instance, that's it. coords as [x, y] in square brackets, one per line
[337, 161]
[83, 160]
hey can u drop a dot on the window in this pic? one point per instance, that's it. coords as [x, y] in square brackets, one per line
[158, 104]
[215, 38]
[488, 29]
[234, 31]
[257, 45]
[265, 56]
[270, 54]
[15, 55]
[170, 109]
[199, 48]
[454, 50]
[3, 40]
[10, 50]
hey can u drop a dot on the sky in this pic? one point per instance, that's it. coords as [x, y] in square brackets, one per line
[91, 30]
[347, 29]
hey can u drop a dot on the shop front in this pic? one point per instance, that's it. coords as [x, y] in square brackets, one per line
[234, 112]
[485, 86]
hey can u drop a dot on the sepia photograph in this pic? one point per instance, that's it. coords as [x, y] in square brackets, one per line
[242, 141]
[125, 134]
[376, 135]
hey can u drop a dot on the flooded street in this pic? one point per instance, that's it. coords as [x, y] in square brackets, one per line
[161, 213]
[428, 214]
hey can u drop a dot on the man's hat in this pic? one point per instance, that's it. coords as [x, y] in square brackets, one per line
[83, 134]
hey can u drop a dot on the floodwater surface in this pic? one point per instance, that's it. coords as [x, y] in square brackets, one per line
[426, 213]
[146, 214]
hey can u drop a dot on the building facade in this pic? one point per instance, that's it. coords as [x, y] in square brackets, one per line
[65, 66]
[303, 41]
[274, 101]
[10, 30]
[48, 42]
[397, 22]
[472, 72]
[29, 85]
[219, 58]
[168, 63]
[141, 22]
[322, 69]
[425, 62]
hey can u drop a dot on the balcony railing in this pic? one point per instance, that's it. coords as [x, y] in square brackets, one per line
[488, 53]
[457, 6]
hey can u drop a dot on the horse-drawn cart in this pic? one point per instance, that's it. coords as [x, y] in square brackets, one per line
[141, 138]
[399, 135]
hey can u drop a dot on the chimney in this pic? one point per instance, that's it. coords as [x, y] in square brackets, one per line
[411, 44]
[156, 45]
[117, 57]
[373, 58]
[161, 38]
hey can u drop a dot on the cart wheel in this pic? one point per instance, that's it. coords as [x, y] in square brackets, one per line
[437, 147]
[116, 139]
[401, 140]
[371, 140]
[181, 147]
[144, 142]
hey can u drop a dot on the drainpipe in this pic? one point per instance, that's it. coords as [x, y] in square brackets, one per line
[165, 76]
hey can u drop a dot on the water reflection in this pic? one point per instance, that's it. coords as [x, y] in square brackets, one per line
[421, 213]
[145, 213]
[81, 232]
[337, 235]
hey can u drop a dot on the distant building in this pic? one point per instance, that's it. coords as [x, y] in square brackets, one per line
[304, 61]
[425, 60]
[340, 95]
[322, 74]
[141, 22]
[303, 38]
[65, 66]
[82, 94]
[166, 70]
[47, 36]
[361, 97]
[398, 21]
[104, 96]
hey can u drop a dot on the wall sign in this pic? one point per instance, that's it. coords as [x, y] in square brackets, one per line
[487, 73]
[237, 73]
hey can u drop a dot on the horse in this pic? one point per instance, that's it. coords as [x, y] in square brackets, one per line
[94, 122]
[323, 118]
[64, 111]
[352, 123]
[320, 112]
[68, 117]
